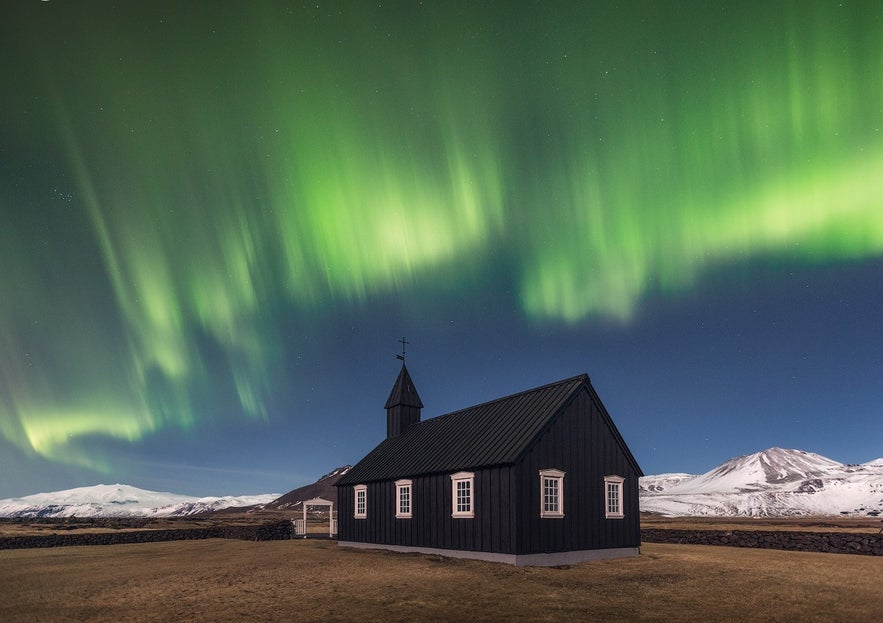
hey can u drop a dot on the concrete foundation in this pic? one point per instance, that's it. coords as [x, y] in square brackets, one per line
[553, 559]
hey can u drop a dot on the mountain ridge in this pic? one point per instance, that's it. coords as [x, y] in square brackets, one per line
[775, 482]
[120, 500]
[322, 488]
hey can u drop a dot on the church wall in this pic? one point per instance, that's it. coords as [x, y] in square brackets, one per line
[581, 443]
[432, 525]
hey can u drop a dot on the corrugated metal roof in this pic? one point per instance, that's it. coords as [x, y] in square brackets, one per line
[493, 433]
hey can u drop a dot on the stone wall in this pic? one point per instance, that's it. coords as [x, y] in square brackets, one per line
[834, 542]
[262, 532]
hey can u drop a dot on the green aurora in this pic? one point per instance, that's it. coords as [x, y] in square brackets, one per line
[215, 165]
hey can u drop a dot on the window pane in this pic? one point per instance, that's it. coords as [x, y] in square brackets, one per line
[464, 496]
[404, 500]
[612, 498]
[360, 502]
[550, 495]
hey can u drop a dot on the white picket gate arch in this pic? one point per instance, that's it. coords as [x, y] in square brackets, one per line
[300, 525]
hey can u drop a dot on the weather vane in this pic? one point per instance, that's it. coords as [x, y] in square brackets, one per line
[402, 356]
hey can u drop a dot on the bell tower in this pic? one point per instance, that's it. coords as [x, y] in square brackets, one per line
[403, 405]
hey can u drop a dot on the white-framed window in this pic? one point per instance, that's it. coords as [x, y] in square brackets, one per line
[613, 508]
[462, 490]
[404, 499]
[360, 506]
[551, 493]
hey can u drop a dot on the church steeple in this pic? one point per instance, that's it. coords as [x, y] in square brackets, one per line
[403, 405]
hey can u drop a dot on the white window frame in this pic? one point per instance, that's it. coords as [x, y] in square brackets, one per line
[467, 479]
[614, 483]
[363, 489]
[404, 488]
[556, 476]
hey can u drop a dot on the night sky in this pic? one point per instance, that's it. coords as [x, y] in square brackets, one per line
[216, 219]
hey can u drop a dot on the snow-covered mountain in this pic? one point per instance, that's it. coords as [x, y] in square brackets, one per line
[771, 483]
[120, 501]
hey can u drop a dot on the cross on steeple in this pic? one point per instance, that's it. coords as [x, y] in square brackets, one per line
[402, 356]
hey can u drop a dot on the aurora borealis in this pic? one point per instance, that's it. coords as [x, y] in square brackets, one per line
[218, 217]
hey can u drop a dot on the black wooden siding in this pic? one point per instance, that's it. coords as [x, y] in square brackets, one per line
[431, 524]
[580, 443]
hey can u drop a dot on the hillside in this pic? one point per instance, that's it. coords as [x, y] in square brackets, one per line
[772, 483]
[322, 488]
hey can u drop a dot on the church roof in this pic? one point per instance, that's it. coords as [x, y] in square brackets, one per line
[403, 392]
[492, 433]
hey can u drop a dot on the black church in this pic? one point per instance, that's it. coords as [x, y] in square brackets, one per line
[541, 477]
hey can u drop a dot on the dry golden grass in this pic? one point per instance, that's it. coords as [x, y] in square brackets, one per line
[313, 580]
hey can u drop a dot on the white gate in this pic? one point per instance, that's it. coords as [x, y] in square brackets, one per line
[300, 525]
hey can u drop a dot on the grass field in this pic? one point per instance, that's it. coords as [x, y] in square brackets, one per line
[318, 523]
[224, 580]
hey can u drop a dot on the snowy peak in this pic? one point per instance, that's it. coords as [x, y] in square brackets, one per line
[779, 465]
[119, 501]
[773, 466]
[105, 494]
[773, 482]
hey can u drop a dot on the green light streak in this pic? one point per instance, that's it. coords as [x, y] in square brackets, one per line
[699, 175]
[816, 220]
[49, 433]
[230, 166]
